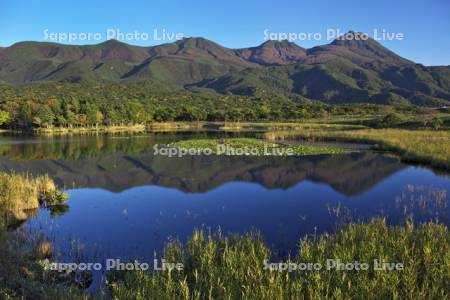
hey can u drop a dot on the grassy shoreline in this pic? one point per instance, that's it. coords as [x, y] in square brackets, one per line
[99, 129]
[235, 267]
[430, 147]
[21, 272]
[193, 125]
[242, 267]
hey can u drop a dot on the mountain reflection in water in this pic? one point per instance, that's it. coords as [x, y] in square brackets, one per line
[120, 163]
[127, 203]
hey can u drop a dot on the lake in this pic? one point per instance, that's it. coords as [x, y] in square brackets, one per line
[125, 202]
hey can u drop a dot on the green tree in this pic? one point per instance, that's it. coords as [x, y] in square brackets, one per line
[4, 117]
[91, 114]
[44, 117]
[24, 116]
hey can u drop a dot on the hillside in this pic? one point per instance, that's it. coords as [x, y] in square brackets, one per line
[344, 71]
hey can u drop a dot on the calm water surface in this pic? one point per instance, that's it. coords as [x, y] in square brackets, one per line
[127, 203]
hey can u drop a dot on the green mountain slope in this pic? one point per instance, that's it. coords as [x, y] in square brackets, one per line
[344, 71]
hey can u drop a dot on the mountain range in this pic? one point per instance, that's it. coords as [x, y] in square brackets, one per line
[344, 71]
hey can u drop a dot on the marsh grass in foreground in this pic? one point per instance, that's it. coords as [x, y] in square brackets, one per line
[232, 267]
[22, 275]
[253, 147]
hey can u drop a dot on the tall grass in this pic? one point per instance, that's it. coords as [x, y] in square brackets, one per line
[421, 146]
[19, 193]
[232, 267]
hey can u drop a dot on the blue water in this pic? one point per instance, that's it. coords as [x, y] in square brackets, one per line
[127, 203]
[136, 222]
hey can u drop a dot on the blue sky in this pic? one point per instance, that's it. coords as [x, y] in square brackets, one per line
[237, 23]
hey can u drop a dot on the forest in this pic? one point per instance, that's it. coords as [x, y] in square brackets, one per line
[88, 105]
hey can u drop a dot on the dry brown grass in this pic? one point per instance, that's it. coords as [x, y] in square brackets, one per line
[23, 192]
[43, 250]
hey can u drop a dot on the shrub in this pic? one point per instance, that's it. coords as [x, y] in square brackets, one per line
[392, 119]
[437, 123]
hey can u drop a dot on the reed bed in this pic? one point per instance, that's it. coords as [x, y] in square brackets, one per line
[19, 193]
[421, 146]
[233, 267]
